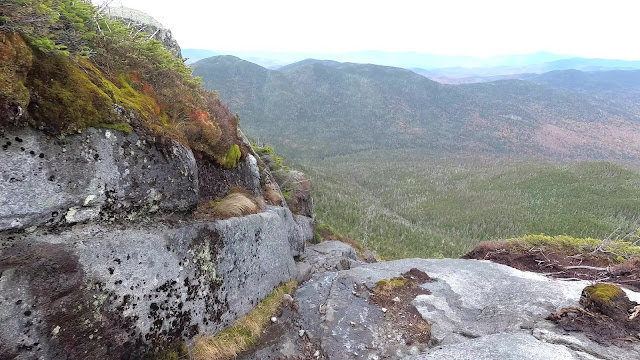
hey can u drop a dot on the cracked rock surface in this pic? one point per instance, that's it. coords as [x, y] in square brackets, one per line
[477, 310]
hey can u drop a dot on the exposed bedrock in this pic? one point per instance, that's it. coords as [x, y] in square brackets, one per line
[102, 291]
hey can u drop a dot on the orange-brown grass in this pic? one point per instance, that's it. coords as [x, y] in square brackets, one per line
[271, 195]
[233, 205]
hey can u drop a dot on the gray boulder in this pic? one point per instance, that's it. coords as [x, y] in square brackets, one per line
[104, 291]
[97, 174]
[326, 256]
[142, 21]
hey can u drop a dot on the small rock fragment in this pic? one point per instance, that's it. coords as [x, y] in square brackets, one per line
[384, 310]
[352, 323]
[317, 353]
[301, 333]
[396, 299]
[274, 319]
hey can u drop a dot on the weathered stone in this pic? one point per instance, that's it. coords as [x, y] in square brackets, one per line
[507, 346]
[99, 173]
[328, 256]
[477, 310]
[144, 22]
[298, 191]
[215, 182]
[102, 291]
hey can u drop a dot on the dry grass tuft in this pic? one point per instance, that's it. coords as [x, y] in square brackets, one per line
[272, 195]
[234, 204]
[245, 331]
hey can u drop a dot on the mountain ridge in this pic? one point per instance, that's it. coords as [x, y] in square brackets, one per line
[346, 107]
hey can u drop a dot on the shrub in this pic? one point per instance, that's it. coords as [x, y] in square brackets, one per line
[84, 62]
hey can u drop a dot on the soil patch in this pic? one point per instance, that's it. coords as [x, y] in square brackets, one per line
[395, 296]
[273, 334]
[607, 316]
[560, 265]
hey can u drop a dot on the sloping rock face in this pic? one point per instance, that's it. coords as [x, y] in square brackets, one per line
[108, 290]
[142, 21]
[101, 258]
[477, 310]
[97, 174]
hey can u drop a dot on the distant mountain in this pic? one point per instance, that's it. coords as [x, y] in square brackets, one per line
[466, 75]
[405, 60]
[598, 82]
[315, 109]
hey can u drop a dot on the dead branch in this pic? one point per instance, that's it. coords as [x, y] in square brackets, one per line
[584, 267]
[568, 310]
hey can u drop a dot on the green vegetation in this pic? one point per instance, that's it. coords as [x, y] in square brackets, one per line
[408, 204]
[178, 351]
[618, 250]
[232, 157]
[386, 287]
[602, 293]
[318, 109]
[124, 127]
[245, 331]
[64, 66]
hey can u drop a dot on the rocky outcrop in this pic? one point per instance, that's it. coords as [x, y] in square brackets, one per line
[142, 21]
[100, 256]
[295, 187]
[326, 256]
[99, 174]
[476, 309]
[297, 191]
[121, 288]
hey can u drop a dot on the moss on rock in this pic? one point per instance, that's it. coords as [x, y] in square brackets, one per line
[386, 287]
[602, 292]
[232, 157]
[607, 299]
[15, 61]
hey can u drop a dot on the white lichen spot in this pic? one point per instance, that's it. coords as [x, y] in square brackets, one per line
[71, 213]
[89, 199]
[107, 134]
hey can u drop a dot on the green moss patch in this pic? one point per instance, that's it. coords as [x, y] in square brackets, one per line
[602, 292]
[15, 61]
[123, 127]
[64, 99]
[613, 250]
[232, 157]
[64, 65]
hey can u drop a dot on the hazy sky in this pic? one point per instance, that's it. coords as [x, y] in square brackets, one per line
[603, 28]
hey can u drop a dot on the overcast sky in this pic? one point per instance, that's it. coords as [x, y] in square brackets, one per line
[605, 28]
